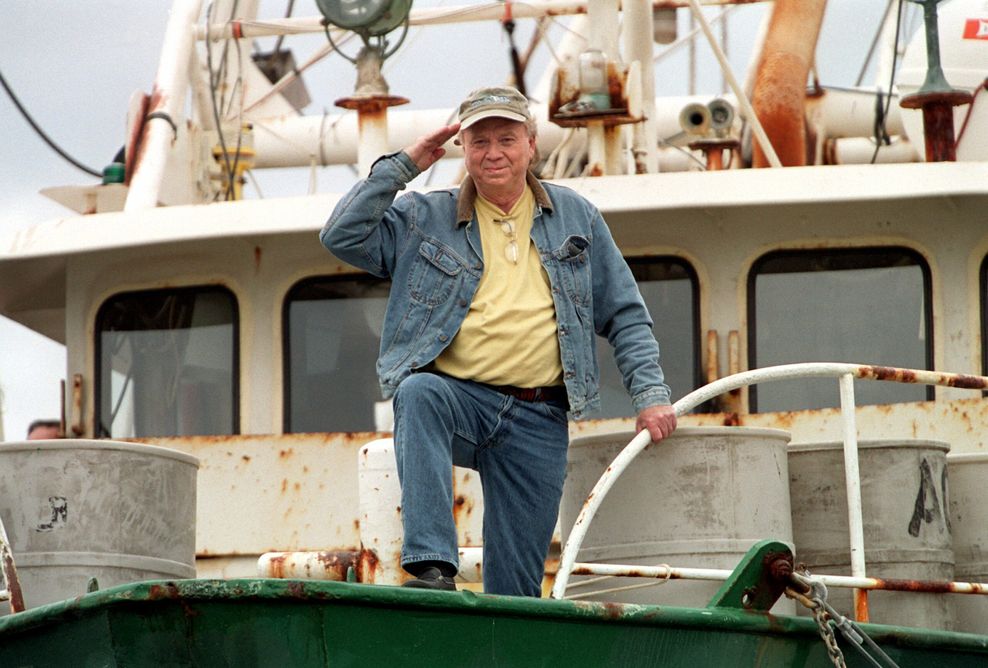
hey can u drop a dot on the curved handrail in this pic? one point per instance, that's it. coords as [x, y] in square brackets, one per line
[12, 592]
[720, 386]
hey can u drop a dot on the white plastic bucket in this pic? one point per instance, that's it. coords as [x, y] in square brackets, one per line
[969, 523]
[78, 509]
[700, 499]
[906, 527]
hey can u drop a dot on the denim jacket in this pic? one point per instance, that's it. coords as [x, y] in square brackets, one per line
[428, 244]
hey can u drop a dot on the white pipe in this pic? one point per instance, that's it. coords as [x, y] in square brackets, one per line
[491, 11]
[572, 43]
[749, 112]
[666, 572]
[168, 99]
[379, 507]
[471, 564]
[596, 149]
[372, 141]
[851, 113]
[638, 47]
[333, 139]
[852, 482]
[861, 150]
[602, 16]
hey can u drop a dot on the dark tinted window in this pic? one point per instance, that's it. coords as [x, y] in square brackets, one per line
[669, 287]
[332, 339]
[868, 306]
[167, 363]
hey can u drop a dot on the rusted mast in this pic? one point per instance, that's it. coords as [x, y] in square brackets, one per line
[936, 97]
[780, 82]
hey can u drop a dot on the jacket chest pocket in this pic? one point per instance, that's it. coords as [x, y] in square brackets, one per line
[434, 274]
[573, 259]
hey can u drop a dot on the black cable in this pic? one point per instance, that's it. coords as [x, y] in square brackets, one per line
[881, 131]
[288, 13]
[509, 27]
[41, 133]
[213, 82]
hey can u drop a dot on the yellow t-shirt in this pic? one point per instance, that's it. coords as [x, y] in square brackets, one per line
[509, 334]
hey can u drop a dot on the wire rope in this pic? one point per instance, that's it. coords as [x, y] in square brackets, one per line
[41, 133]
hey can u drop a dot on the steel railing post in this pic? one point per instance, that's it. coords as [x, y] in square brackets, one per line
[852, 479]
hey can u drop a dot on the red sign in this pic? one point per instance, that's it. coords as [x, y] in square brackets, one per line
[976, 29]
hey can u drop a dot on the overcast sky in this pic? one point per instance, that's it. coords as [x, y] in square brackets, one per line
[74, 66]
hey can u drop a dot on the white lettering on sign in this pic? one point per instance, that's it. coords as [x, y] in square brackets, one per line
[976, 29]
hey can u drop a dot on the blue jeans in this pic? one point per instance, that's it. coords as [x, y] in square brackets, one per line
[518, 448]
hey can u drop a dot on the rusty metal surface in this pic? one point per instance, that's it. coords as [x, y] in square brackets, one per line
[324, 565]
[274, 493]
[371, 106]
[567, 90]
[292, 493]
[13, 584]
[780, 81]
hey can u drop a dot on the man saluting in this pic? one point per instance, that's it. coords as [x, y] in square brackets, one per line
[498, 288]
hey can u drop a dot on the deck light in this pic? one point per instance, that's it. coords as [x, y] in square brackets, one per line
[368, 18]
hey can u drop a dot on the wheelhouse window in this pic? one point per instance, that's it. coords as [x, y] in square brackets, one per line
[167, 363]
[869, 306]
[332, 339]
[670, 289]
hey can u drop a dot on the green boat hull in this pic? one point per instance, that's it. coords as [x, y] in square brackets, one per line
[291, 623]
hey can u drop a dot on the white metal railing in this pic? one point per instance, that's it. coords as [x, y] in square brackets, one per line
[8, 573]
[845, 373]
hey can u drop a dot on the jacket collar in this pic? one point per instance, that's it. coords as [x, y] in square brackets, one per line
[468, 196]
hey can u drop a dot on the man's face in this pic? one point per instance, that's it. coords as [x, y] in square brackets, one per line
[498, 152]
[43, 432]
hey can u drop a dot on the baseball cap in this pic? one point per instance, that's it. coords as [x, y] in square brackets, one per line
[498, 101]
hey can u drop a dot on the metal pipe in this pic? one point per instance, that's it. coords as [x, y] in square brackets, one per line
[13, 594]
[491, 11]
[749, 112]
[780, 85]
[604, 142]
[596, 149]
[165, 107]
[852, 482]
[707, 392]
[861, 150]
[332, 139]
[847, 112]
[327, 565]
[667, 572]
[638, 47]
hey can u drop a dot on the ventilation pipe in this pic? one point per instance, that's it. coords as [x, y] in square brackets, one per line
[780, 83]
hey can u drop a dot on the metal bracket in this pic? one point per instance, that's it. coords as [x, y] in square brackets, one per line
[759, 579]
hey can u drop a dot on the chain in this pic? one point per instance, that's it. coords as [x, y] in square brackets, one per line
[813, 595]
[822, 618]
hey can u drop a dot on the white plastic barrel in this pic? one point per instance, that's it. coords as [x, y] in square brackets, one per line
[700, 498]
[78, 509]
[969, 525]
[905, 515]
[381, 532]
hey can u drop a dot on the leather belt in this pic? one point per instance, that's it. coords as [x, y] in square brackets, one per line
[548, 393]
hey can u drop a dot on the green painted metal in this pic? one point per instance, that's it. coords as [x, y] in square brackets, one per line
[758, 580]
[292, 623]
[935, 81]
